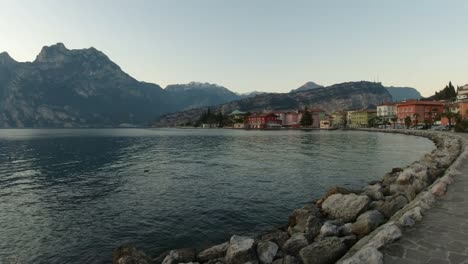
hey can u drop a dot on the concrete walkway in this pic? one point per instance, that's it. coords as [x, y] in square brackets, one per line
[442, 236]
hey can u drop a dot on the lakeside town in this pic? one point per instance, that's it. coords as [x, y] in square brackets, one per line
[410, 113]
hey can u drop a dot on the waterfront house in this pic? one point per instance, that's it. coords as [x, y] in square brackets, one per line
[326, 123]
[339, 118]
[289, 118]
[239, 118]
[362, 118]
[462, 92]
[387, 111]
[419, 111]
[264, 121]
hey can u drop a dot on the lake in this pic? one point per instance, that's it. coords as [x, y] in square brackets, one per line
[73, 195]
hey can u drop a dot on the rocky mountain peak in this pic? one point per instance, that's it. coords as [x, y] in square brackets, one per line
[6, 59]
[55, 53]
[306, 86]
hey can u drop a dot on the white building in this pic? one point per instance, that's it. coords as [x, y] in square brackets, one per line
[386, 110]
[462, 92]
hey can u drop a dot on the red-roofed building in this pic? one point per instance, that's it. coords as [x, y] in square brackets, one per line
[262, 121]
[419, 111]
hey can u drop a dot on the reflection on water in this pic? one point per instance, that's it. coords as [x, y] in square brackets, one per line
[71, 196]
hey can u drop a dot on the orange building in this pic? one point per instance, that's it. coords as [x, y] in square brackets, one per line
[419, 111]
[463, 106]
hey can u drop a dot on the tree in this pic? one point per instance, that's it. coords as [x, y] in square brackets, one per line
[416, 119]
[394, 120]
[306, 120]
[449, 115]
[408, 122]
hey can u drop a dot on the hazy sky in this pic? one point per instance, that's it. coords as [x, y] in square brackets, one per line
[250, 45]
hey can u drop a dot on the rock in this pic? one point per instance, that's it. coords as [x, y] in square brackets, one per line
[278, 237]
[405, 176]
[216, 261]
[346, 229]
[183, 255]
[439, 188]
[349, 241]
[127, 254]
[390, 205]
[346, 207]
[305, 220]
[325, 251]
[214, 252]
[287, 260]
[266, 251]
[295, 243]
[406, 189]
[367, 222]
[411, 217]
[240, 250]
[395, 170]
[386, 234]
[418, 185]
[328, 229]
[368, 255]
[375, 191]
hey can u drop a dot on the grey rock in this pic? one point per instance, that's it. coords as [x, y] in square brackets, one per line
[214, 252]
[390, 205]
[325, 251]
[328, 229]
[346, 229]
[346, 207]
[295, 243]
[240, 250]
[305, 220]
[266, 251]
[287, 260]
[128, 254]
[374, 191]
[279, 237]
[183, 255]
[367, 222]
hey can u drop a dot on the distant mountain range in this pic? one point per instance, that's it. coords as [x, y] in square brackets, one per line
[350, 95]
[84, 88]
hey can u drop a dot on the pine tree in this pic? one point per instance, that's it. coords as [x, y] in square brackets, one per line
[306, 120]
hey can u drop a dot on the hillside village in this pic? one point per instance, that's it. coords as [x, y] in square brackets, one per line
[410, 113]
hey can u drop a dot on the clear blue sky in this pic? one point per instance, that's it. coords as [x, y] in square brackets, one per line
[250, 45]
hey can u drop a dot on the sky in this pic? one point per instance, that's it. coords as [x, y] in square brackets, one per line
[254, 45]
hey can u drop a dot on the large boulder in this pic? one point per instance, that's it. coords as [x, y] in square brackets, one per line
[240, 250]
[295, 243]
[128, 254]
[367, 222]
[266, 251]
[305, 220]
[287, 260]
[278, 237]
[329, 229]
[214, 252]
[326, 251]
[183, 255]
[374, 191]
[390, 205]
[345, 206]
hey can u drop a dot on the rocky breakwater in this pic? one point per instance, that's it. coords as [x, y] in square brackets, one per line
[344, 225]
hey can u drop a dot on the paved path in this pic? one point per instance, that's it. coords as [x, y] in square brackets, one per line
[442, 236]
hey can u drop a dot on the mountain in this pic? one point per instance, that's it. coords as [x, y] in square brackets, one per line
[350, 95]
[84, 88]
[306, 86]
[197, 94]
[250, 94]
[403, 93]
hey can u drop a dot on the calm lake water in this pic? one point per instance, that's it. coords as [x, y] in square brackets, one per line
[73, 195]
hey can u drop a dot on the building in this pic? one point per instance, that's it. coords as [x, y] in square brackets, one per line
[362, 118]
[263, 121]
[387, 111]
[239, 119]
[289, 118]
[419, 112]
[339, 118]
[463, 109]
[326, 123]
[462, 92]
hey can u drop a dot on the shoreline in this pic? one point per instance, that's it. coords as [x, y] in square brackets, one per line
[344, 225]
